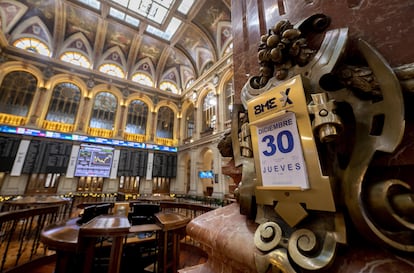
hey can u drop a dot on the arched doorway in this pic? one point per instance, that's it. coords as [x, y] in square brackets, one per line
[206, 172]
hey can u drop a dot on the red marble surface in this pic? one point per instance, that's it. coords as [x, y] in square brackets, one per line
[227, 237]
[385, 24]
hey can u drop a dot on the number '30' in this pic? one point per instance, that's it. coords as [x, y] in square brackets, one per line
[284, 143]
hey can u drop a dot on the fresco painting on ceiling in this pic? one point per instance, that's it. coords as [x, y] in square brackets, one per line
[194, 43]
[35, 28]
[118, 36]
[151, 48]
[10, 14]
[214, 13]
[77, 26]
[44, 9]
[81, 21]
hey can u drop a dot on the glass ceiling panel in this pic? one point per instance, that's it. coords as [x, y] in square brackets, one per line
[124, 17]
[123, 2]
[165, 3]
[185, 6]
[169, 32]
[92, 3]
[154, 10]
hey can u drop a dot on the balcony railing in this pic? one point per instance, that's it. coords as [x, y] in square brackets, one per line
[20, 235]
[100, 132]
[135, 137]
[57, 126]
[166, 141]
[12, 119]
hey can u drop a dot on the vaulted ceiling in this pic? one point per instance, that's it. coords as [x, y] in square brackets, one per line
[119, 32]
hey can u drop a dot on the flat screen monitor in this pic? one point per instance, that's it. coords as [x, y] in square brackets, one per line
[94, 160]
[206, 174]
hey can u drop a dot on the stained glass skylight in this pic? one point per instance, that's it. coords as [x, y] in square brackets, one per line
[33, 45]
[112, 70]
[169, 87]
[76, 59]
[142, 79]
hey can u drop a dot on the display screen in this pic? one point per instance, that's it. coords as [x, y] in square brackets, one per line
[94, 160]
[89, 139]
[206, 174]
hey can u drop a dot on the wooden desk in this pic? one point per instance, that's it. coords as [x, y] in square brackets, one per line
[62, 237]
[116, 227]
[70, 239]
[173, 225]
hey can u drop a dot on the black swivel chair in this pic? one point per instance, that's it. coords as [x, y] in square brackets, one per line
[143, 213]
[90, 212]
[144, 254]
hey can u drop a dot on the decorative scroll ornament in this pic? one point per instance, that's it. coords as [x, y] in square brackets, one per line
[302, 247]
[354, 112]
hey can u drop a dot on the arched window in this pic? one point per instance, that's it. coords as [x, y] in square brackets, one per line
[137, 117]
[142, 79]
[229, 99]
[189, 83]
[169, 87]
[64, 104]
[209, 112]
[104, 111]
[229, 49]
[189, 122]
[76, 58]
[112, 69]
[16, 93]
[165, 122]
[33, 45]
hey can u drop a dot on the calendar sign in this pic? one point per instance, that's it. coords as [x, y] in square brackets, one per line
[280, 153]
[285, 154]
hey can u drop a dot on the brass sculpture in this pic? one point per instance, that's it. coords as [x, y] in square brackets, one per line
[354, 111]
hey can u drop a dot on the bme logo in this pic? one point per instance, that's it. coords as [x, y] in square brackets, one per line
[272, 103]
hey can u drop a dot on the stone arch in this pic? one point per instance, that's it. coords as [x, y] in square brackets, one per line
[204, 91]
[8, 67]
[175, 110]
[39, 31]
[184, 109]
[172, 76]
[108, 58]
[185, 169]
[13, 66]
[114, 91]
[62, 78]
[78, 43]
[145, 66]
[147, 100]
[206, 163]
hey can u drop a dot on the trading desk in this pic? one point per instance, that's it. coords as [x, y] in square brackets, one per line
[70, 239]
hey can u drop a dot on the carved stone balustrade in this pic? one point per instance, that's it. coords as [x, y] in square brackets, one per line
[227, 237]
